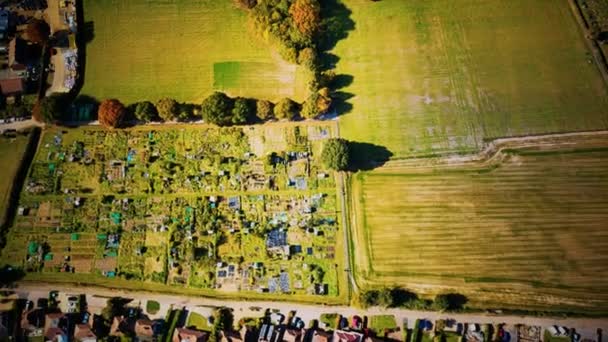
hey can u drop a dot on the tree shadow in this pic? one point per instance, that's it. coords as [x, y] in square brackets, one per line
[402, 296]
[84, 36]
[341, 81]
[336, 23]
[10, 275]
[366, 156]
[340, 102]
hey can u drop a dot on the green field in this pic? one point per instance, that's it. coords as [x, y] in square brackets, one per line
[11, 154]
[443, 75]
[181, 49]
[527, 230]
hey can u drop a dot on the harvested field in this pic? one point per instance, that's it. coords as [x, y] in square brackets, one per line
[443, 76]
[180, 49]
[527, 230]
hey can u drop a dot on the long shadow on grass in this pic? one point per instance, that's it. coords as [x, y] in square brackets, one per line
[84, 36]
[366, 156]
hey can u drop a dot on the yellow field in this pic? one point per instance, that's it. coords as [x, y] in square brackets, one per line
[527, 229]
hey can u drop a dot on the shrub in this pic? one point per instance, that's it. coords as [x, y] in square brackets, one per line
[145, 111]
[286, 109]
[38, 31]
[243, 111]
[152, 307]
[50, 108]
[336, 157]
[111, 113]
[264, 110]
[217, 109]
[167, 109]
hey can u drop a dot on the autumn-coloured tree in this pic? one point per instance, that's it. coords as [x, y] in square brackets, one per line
[167, 108]
[306, 15]
[110, 113]
[38, 31]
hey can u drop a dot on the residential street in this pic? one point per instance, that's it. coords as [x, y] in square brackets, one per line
[97, 297]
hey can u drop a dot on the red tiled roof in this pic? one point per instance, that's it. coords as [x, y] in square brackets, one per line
[11, 86]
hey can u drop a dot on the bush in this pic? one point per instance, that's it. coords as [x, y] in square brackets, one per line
[38, 31]
[286, 109]
[217, 109]
[111, 113]
[243, 111]
[167, 108]
[335, 156]
[152, 307]
[145, 111]
[264, 110]
[449, 302]
[51, 108]
[330, 319]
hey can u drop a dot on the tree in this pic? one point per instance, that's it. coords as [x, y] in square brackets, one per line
[306, 15]
[308, 58]
[111, 113]
[263, 110]
[223, 319]
[51, 108]
[217, 109]
[246, 4]
[145, 111]
[309, 107]
[449, 301]
[286, 109]
[243, 111]
[38, 31]
[335, 154]
[114, 307]
[167, 109]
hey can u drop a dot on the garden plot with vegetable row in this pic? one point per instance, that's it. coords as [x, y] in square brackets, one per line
[231, 209]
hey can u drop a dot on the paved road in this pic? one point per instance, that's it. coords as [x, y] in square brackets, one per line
[96, 298]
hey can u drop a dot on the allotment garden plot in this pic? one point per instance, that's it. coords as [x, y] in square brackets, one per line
[229, 209]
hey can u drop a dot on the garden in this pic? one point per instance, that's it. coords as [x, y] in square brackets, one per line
[231, 209]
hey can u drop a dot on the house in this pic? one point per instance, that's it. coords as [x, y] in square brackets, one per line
[292, 335]
[21, 54]
[144, 330]
[83, 333]
[11, 88]
[347, 336]
[373, 339]
[321, 336]
[55, 335]
[270, 333]
[119, 326]
[189, 335]
[52, 320]
[246, 334]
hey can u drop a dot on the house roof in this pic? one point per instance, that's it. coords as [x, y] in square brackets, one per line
[52, 334]
[321, 336]
[346, 336]
[11, 86]
[192, 335]
[144, 327]
[83, 331]
[292, 335]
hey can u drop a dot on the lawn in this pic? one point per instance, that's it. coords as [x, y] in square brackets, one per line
[12, 151]
[526, 231]
[181, 49]
[381, 323]
[442, 75]
[198, 321]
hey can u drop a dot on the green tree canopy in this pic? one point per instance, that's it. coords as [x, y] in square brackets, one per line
[145, 111]
[51, 108]
[243, 111]
[335, 154]
[167, 108]
[263, 110]
[217, 109]
[286, 109]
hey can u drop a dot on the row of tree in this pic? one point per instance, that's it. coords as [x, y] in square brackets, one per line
[218, 109]
[400, 298]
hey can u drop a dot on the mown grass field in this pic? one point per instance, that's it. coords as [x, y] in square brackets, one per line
[11, 153]
[148, 49]
[443, 75]
[526, 232]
